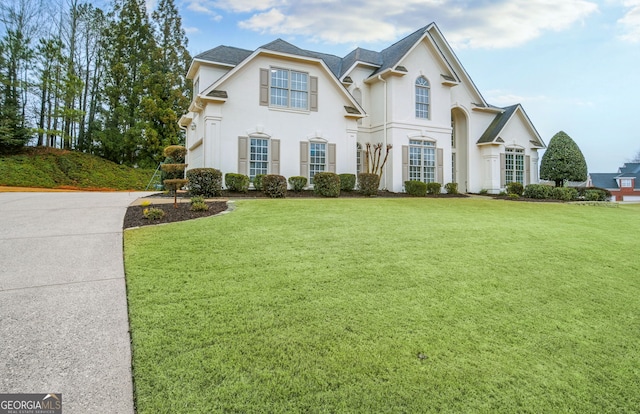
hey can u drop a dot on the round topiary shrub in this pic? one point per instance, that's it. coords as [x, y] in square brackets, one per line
[347, 182]
[298, 183]
[451, 188]
[205, 182]
[515, 187]
[274, 186]
[176, 152]
[416, 188]
[326, 184]
[237, 182]
[368, 183]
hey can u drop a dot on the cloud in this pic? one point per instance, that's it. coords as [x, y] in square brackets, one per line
[631, 21]
[203, 6]
[478, 24]
[191, 30]
[504, 98]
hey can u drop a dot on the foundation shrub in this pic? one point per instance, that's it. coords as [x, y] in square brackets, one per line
[347, 182]
[205, 182]
[236, 182]
[538, 191]
[274, 186]
[593, 193]
[368, 183]
[326, 184]
[451, 188]
[416, 188]
[515, 188]
[257, 182]
[152, 213]
[297, 183]
[564, 193]
[434, 188]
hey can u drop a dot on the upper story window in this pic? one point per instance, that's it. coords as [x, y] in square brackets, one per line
[514, 165]
[289, 89]
[625, 182]
[196, 87]
[422, 98]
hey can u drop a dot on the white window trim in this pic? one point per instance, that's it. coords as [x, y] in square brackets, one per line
[433, 147]
[427, 88]
[515, 151]
[261, 137]
[289, 107]
[326, 156]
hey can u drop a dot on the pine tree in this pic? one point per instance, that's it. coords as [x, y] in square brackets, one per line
[563, 161]
[168, 89]
[129, 46]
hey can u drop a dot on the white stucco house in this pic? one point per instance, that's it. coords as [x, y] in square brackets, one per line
[283, 110]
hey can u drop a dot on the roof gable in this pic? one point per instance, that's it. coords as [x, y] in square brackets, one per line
[492, 134]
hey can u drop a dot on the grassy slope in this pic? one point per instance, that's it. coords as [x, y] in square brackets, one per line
[325, 305]
[55, 168]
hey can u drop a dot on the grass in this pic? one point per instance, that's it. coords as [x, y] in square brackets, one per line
[51, 168]
[386, 306]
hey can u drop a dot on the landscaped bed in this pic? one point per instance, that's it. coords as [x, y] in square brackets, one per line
[388, 305]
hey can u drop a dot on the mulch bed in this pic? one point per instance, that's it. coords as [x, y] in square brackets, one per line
[135, 218]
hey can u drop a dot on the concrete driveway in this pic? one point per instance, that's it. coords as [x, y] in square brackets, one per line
[63, 309]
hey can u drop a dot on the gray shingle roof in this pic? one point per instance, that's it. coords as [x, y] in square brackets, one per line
[361, 55]
[631, 167]
[496, 126]
[604, 180]
[225, 54]
[392, 55]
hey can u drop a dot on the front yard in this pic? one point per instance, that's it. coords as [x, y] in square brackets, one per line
[388, 305]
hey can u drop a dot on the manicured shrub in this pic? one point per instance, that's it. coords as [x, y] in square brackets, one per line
[564, 193]
[368, 183]
[416, 188]
[205, 182]
[451, 188]
[298, 183]
[237, 182]
[199, 206]
[484, 191]
[176, 152]
[515, 187]
[257, 182]
[152, 213]
[326, 184]
[347, 182]
[538, 191]
[514, 196]
[274, 186]
[434, 188]
[593, 193]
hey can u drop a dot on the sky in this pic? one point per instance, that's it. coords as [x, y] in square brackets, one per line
[574, 65]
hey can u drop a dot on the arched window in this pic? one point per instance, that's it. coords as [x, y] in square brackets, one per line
[422, 98]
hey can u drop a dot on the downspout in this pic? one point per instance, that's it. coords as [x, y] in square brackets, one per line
[384, 187]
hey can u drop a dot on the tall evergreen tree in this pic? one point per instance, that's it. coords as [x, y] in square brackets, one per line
[129, 46]
[168, 89]
[563, 161]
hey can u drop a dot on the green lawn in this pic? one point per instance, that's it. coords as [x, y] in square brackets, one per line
[388, 306]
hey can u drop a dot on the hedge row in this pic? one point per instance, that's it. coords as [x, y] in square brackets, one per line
[207, 182]
[541, 191]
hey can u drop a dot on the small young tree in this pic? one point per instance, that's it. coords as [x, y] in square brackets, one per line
[175, 172]
[563, 161]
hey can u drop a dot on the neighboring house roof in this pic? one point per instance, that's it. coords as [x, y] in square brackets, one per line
[604, 180]
[630, 167]
[492, 134]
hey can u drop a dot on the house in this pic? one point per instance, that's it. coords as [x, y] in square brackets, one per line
[283, 110]
[623, 185]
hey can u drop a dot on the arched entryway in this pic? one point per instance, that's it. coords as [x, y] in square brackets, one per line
[459, 149]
